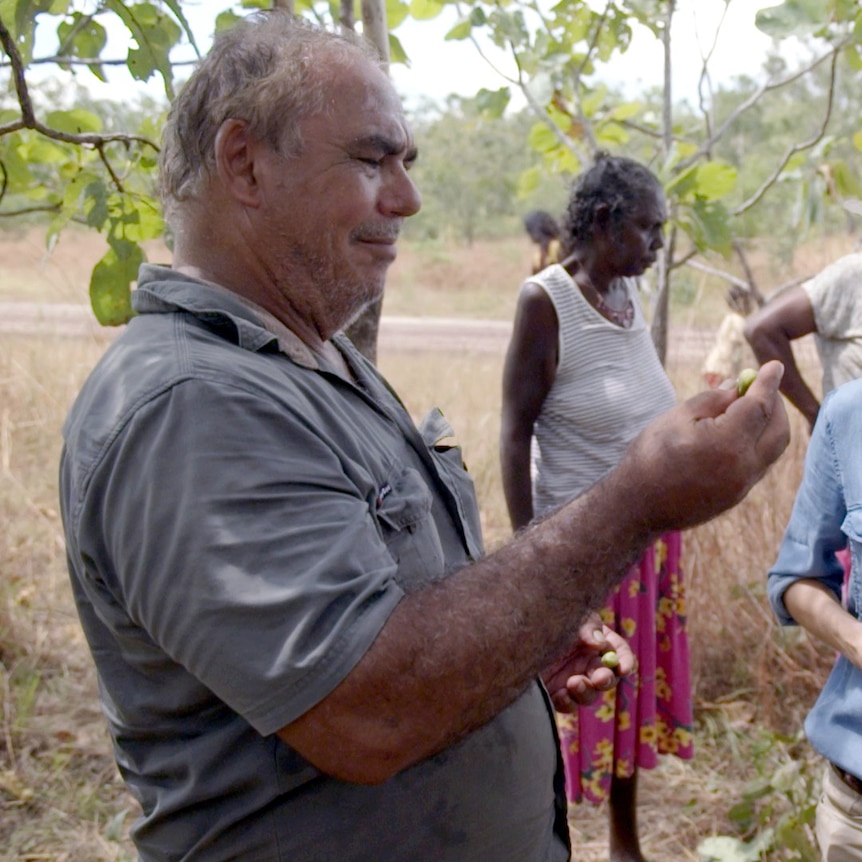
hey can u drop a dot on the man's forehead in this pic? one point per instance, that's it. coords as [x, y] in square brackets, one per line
[367, 110]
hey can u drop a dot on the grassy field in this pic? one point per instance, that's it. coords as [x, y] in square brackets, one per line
[60, 797]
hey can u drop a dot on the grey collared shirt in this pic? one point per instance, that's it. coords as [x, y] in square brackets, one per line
[240, 522]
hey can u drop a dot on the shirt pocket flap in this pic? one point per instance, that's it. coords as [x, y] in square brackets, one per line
[404, 500]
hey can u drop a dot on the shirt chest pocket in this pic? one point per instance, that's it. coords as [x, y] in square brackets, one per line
[403, 511]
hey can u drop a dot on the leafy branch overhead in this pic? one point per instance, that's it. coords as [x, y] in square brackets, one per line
[560, 53]
[68, 160]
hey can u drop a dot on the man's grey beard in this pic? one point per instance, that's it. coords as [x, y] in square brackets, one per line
[345, 299]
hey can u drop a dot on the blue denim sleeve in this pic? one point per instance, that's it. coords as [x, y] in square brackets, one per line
[813, 534]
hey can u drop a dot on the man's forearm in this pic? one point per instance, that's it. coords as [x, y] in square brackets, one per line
[454, 655]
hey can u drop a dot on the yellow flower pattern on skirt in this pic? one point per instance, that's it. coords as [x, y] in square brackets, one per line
[649, 713]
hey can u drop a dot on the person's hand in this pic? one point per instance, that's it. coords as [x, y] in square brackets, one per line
[579, 676]
[703, 456]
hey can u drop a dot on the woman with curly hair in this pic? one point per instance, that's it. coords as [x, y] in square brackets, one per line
[581, 379]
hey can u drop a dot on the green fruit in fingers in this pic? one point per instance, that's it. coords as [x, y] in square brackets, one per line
[745, 379]
[610, 659]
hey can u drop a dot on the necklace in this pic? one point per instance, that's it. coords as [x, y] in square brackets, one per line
[623, 317]
[620, 316]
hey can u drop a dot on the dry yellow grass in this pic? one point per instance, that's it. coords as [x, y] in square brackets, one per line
[60, 797]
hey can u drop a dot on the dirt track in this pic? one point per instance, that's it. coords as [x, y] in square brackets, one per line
[396, 333]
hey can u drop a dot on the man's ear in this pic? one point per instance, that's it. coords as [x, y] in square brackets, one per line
[234, 157]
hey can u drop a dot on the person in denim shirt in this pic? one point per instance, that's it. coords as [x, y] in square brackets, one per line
[805, 588]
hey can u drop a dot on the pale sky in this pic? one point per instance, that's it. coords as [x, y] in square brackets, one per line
[439, 68]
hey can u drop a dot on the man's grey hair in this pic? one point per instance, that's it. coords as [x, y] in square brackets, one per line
[267, 70]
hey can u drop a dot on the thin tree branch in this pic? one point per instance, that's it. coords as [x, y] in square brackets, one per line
[719, 273]
[118, 183]
[519, 82]
[44, 208]
[676, 263]
[753, 99]
[21, 90]
[28, 115]
[749, 274]
[705, 79]
[63, 60]
[796, 148]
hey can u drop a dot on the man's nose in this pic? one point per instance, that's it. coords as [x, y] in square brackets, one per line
[401, 197]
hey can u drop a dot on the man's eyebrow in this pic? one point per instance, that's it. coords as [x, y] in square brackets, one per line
[387, 146]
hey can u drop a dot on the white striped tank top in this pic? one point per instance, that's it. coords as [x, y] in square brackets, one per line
[609, 385]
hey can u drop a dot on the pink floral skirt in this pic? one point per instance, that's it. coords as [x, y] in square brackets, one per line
[649, 713]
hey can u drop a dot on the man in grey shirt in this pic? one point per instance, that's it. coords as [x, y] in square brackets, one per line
[303, 651]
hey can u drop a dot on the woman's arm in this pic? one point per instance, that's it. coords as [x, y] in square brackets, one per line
[529, 371]
[816, 608]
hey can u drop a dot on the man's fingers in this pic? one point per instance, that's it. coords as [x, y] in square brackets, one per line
[763, 414]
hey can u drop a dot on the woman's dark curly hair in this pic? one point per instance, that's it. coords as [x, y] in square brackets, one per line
[615, 181]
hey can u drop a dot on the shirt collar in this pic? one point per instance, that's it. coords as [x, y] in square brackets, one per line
[162, 289]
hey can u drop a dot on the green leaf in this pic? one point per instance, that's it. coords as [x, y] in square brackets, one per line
[529, 181]
[542, 139]
[177, 9]
[541, 88]
[396, 13]
[16, 163]
[225, 20]
[493, 103]
[590, 104]
[792, 18]
[111, 283]
[626, 111]
[95, 202]
[708, 226]
[714, 180]
[155, 34]
[82, 37]
[425, 10]
[683, 184]
[39, 149]
[397, 54]
[460, 31]
[75, 121]
[611, 133]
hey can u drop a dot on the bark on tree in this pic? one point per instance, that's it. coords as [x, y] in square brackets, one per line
[659, 325]
[363, 332]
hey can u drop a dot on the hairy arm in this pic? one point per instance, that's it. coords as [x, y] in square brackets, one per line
[452, 656]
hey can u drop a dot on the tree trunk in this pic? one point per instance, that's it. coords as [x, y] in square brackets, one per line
[659, 326]
[363, 331]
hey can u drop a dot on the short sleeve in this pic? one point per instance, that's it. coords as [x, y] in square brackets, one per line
[814, 532]
[258, 566]
[835, 294]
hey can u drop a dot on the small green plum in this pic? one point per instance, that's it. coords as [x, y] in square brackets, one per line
[745, 379]
[610, 658]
